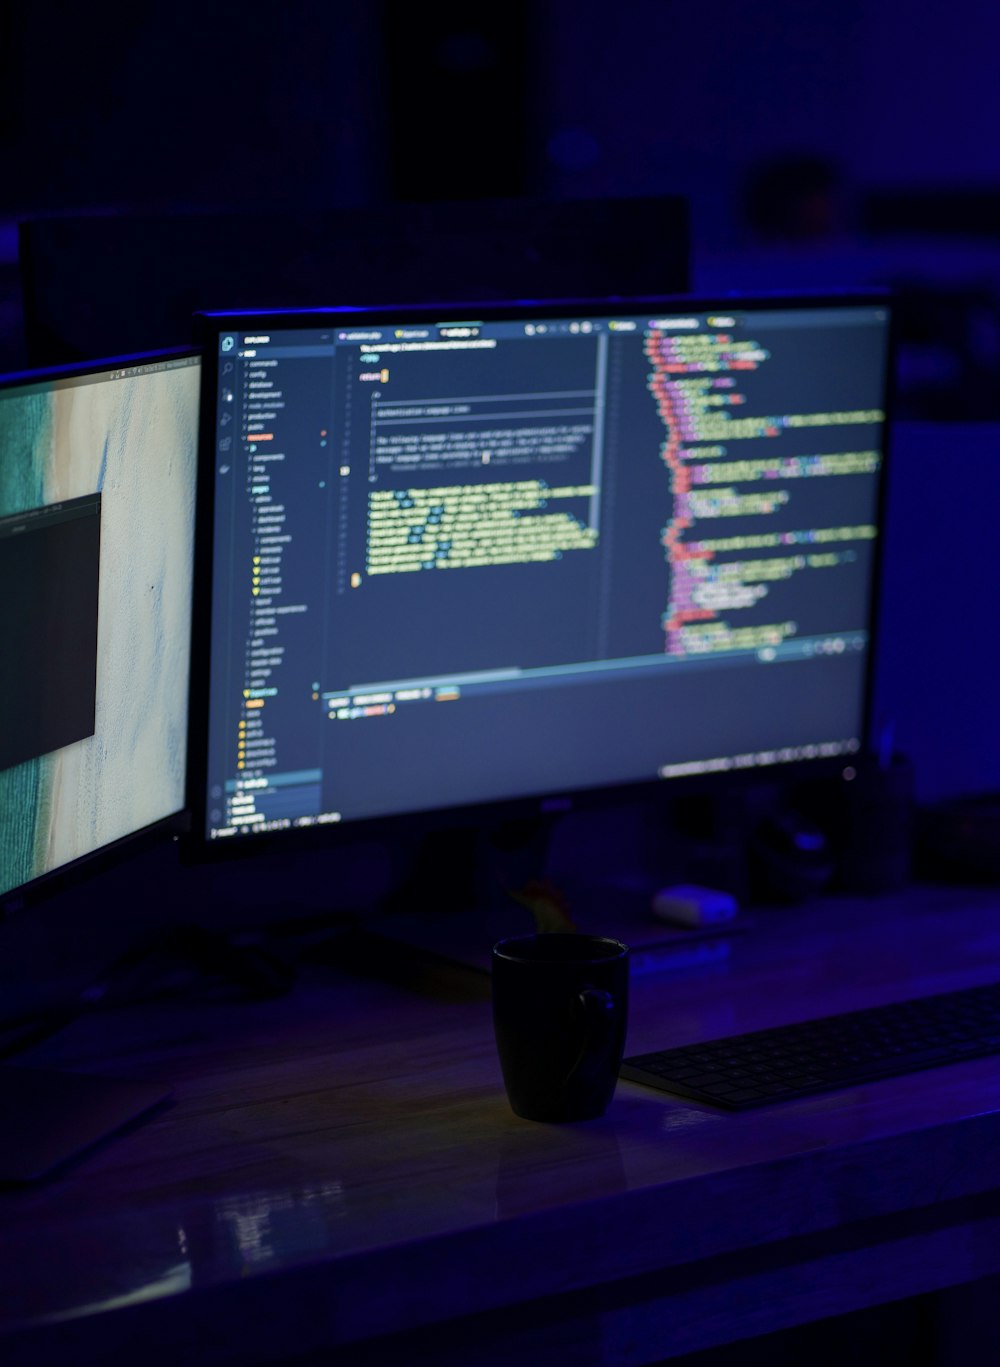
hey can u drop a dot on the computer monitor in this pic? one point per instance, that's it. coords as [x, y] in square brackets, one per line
[504, 558]
[97, 484]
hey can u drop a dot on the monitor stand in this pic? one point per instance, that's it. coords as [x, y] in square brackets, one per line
[469, 889]
[52, 1117]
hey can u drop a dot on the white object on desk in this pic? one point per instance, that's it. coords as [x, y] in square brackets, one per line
[689, 904]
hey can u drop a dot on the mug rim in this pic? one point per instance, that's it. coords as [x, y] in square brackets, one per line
[503, 949]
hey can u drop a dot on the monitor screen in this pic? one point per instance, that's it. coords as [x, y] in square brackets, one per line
[97, 481]
[522, 552]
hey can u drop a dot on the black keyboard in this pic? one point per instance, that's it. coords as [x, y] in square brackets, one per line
[824, 1055]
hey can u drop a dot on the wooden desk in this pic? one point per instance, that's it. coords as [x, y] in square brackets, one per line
[340, 1170]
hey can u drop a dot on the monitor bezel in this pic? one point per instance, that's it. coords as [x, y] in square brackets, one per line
[197, 847]
[56, 881]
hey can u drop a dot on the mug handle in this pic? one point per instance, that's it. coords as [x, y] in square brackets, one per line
[598, 1007]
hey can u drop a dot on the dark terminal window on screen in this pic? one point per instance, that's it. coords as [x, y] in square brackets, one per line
[49, 566]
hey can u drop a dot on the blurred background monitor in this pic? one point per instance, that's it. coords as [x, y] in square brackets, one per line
[97, 476]
[101, 284]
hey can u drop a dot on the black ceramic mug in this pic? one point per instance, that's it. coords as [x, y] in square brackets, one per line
[560, 1008]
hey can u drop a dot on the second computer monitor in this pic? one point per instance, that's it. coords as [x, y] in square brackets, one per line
[97, 484]
[457, 557]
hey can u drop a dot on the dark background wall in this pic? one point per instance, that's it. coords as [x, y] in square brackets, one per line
[198, 105]
[195, 105]
[693, 97]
